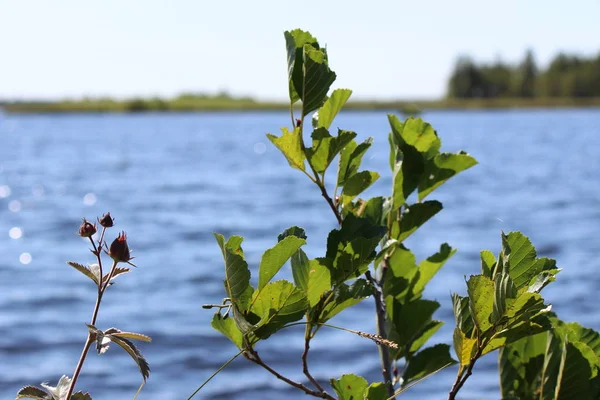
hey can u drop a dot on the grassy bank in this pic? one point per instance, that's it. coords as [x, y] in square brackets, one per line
[226, 103]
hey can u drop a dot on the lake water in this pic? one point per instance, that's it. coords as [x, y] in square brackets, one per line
[171, 180]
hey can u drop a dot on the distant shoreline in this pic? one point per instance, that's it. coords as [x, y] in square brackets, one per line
[201, 104]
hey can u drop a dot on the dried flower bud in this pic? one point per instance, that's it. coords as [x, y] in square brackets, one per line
[106, 221]
[119, 250]
[87, 229]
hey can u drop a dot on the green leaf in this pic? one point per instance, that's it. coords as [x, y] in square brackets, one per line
[402, 264]
[279, 303]
[413, 217]
[424, 335]
[520, 364]
[317, 79]
[487, 263]
[86, 271]
[443, 167]
[332, 107]
[291, 145]
[300, 270]
[237, 274]
[345, 296]
[504, 294]
[81, 396]
[376, 391]
[576, 374]
[274, 258]
[464, 347]
[418, 134]
[354, 258]
[357, 184]
[117, 271]
[32, 392]
[481, 298]
[429, 267]
[135, 353]
[292, 231]
[295, 41]
[227, 327]
[350, 387]
[326, 147]
[132, 335]
[351, 158]
[319, 279]
[462, 314]
[427, 361]
[411, 319]
[554, 363]
[524, 267]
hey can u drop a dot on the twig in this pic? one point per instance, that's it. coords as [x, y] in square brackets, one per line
[307, 338]
[253, 356]
[215, 373]
[462, 377]
[384, 352]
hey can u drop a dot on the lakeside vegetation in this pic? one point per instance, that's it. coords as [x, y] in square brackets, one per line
[568, 81]
[218, 103]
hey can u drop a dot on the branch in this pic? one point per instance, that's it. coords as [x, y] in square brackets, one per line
[462, 376]
[305, 360]
[381, 331]
[253, 356]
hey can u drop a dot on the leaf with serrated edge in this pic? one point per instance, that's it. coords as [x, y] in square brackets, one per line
[135, 353]
[429, 267]
[415, 216]
[357, 184]
[481, 299]
[349, 387]
[279, 300]
[32, 392]
[274, 258]
[443, 167]
[291, 145]
[227, 327]
[237, 274]
[84, 270]
[300, 269]
[317, 79]
[319, 279]
[427, 361]
[81, 396]
[332, 107]
[132, 335]
[464, 347]
[487, 263]
[295, 41]
[118, 271]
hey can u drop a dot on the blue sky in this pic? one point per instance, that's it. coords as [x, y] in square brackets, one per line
[380, 49]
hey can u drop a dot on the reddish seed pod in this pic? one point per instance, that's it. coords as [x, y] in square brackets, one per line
[106, 221]
[87, 229]
[119, 250]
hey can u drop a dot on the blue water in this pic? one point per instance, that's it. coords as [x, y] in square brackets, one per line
[171, 180]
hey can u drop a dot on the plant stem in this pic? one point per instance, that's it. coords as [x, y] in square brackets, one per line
[463, 375]
[307, 337]
[254, 357]
[215, 373]
[89, 340]
[384, 352]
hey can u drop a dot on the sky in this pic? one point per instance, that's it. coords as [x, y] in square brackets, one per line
[380, 49]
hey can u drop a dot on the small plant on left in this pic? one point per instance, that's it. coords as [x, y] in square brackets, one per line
[120, 254]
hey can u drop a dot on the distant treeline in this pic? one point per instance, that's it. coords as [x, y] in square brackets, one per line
[566, 77]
